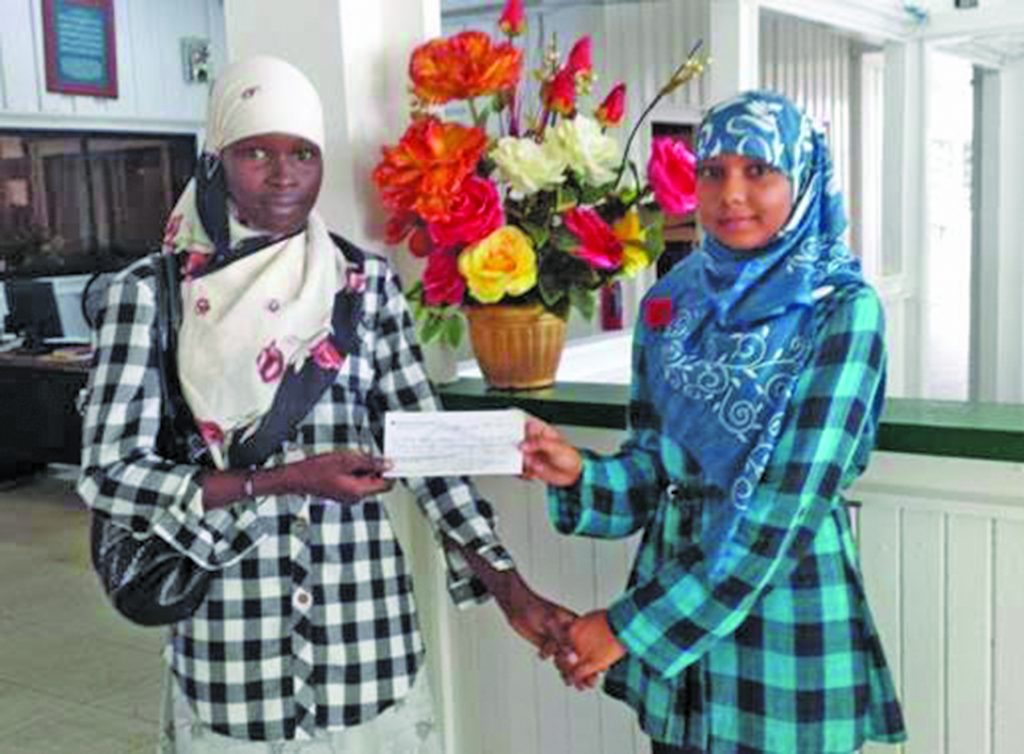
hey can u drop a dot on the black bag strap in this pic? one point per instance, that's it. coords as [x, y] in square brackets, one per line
[178, 438]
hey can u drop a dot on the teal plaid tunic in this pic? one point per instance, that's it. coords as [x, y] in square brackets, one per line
[777, 651]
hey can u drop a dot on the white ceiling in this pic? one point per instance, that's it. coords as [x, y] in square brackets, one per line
[991, 34]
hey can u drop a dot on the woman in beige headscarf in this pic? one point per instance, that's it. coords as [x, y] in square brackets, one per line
[292, 345]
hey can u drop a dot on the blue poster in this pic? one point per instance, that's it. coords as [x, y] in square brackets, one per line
[80, 47]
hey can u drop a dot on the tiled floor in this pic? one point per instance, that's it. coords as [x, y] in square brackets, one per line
[75, 678]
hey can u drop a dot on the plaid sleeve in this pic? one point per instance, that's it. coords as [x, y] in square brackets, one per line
[617, 495]
[690, 602]
[122, 474]
[452, 505]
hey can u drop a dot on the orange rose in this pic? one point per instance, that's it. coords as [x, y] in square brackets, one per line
[468, 65]
[424, 171]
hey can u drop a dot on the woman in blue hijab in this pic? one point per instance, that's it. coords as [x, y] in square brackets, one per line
[758, 381]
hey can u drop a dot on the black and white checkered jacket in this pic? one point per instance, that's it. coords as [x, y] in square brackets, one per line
[310, 622]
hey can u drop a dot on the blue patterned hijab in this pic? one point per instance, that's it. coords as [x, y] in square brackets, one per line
[722, 373]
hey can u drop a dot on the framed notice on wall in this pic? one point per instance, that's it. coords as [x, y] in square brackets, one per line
[78, 36]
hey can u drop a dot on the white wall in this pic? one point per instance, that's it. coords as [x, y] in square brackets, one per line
[1009, 325]
[811, 64]
[152, 91]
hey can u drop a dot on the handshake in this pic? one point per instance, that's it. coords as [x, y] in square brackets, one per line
[582, 646]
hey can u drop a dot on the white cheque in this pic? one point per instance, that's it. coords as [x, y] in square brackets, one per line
[453, 443]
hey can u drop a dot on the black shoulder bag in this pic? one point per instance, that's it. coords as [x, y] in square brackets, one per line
[148, 581]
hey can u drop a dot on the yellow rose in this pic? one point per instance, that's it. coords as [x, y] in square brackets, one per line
[503, 263]
[633, 237]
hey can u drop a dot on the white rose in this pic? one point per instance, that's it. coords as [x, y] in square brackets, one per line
[592, 155]
[529, 167]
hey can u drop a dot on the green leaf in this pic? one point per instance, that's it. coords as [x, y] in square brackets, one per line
[414, 295]
[431, 328]
[551, 291]
[592, 194]
[584, 301]
[566, 199]
[561, 309]
[655, 242]
[537, 233]
[453, 329]
[563, 240]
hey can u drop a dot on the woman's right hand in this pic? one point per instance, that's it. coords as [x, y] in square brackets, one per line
[548, 457]
[343, 475]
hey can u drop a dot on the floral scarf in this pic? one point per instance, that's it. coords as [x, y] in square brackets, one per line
[254, 307]
[723, 368]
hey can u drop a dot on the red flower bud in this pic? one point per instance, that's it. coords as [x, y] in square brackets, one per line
[399, 226]
[420, 244]
[599, 247]
[513, 18]
[609, 113]
[560, 93]
[581, 61]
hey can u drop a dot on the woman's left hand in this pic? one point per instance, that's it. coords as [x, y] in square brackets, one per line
[596, 650]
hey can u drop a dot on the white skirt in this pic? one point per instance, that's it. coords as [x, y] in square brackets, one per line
[407, 727]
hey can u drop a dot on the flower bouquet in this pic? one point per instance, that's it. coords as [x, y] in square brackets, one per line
[537, 217]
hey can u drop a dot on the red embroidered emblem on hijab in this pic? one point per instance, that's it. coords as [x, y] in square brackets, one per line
[658, 312]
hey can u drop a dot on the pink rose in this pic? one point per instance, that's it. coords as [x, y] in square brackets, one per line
[475, 213]
[599, 246]
[442, 283]
[270, 363]
[672, 173]
[211, 433]
[326, 356]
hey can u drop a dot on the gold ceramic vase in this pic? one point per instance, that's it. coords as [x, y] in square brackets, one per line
[517, 347]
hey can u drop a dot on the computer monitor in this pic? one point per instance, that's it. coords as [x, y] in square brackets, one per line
[32, 311]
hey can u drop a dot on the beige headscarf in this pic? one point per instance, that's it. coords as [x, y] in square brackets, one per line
[245, 324]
